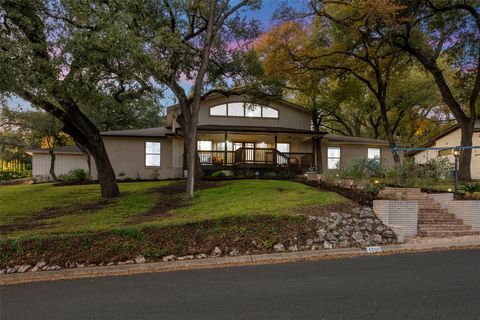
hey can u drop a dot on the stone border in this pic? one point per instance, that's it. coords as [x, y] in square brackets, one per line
[286, 257]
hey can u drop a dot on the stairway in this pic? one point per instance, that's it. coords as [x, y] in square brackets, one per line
[433, 220]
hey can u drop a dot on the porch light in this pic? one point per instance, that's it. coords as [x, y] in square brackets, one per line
[456, 153]
[449, 189]
[376, 182]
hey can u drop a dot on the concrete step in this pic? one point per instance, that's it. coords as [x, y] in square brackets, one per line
[440, 221]
[435, 210]
[448, 233]
[444, 227]
[436, 216]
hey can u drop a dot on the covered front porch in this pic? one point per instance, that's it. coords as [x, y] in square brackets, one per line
[293, 150]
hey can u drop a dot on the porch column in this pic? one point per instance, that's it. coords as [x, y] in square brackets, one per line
[275, 151]
[225, 153]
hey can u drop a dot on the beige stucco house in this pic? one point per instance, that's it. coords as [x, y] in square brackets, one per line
[449, 139]
[234, 133]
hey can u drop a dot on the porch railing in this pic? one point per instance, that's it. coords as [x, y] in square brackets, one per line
[257, 156]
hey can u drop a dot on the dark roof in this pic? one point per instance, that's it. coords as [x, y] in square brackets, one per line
[350, 139]
[147, 133]
[258, 129]
[58, 150]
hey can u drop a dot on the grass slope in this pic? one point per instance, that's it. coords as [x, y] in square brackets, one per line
[33, 210]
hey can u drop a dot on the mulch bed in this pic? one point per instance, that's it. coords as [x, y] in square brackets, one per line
[356, 195]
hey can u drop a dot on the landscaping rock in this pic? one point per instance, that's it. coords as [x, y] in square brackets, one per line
[53, 268]
[24, 268]
[216, 252]
[40, 264]
[234, 253]
[331, 236]
[201, 256]
[110, 263]
[310, 242]
[388, 234]
[327, 245]
[34, 269]
[344, 244]
[362, 243]
[357, 235]
[168, 258]
[321, 232]
[3, 271]
[279, 247]
[377, 239]
[189, 257]
[293, 248]
[139, 259]
[10, 270]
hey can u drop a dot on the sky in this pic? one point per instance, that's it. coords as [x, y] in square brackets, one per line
[264, 15]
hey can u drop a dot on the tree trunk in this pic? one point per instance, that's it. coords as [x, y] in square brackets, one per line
[52, 164]
[388, 130]
[84, 132]
[464, 171]
[191, 159]
[318, 155]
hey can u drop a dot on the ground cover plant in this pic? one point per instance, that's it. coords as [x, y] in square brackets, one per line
[61, 223]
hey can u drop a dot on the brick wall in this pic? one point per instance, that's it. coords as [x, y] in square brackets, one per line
[467, 210]
[401, 215]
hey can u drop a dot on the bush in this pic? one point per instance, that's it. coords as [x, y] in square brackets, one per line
[373, 189]
[8, 175]
[218, 174]
[75, 174]
[470, 187]
[411, 174]
[363, 169]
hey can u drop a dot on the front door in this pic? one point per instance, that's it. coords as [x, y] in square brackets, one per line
[248, 151]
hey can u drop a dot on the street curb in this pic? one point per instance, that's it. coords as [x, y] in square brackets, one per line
[270, 258]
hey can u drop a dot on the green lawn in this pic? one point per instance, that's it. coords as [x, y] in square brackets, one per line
[30, 210]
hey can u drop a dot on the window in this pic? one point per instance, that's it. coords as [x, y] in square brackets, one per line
[240, 109]
[333, 158]
[204, 145]
[236, 109]
[283, 147]
[152, 154]
[374, 153]
[269, 112]
[220, 110]
[253, 110]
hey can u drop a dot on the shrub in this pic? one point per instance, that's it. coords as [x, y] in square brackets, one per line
[75, 174]
[363, 169]
[373, 189]
[155, 174]
[218, 174]
[8, 175]
[470, 187]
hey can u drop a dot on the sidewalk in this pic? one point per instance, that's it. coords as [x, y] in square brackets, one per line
[415, 244]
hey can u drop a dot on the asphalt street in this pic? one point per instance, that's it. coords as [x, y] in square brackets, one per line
[433, 285]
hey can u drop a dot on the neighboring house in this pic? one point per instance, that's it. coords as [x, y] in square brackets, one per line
[235, 133]
[450, 138]
[66, 159]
